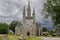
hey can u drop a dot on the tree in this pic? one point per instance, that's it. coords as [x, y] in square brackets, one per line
[53, 9]
[3, 28]
[13, 25]
[44, 29]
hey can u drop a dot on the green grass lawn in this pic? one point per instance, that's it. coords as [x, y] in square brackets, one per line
[27, 38]
[14, 37]
[3, 37]
[33, 38]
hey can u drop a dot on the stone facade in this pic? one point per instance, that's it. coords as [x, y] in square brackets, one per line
[28, 28]
[18, 29]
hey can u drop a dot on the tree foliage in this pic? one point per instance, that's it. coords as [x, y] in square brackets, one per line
[3, 28]
[44, 29]
[53, 9]
[13, 25]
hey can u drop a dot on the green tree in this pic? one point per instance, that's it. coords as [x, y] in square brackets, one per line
[53, 9]
[45, 29]
[51, 32]
[13, 25]
[3, 28]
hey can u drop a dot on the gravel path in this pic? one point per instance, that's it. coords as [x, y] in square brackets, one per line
[49, 38]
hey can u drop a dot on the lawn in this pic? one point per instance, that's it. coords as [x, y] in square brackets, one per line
[3, 37]
[14, 37]
[33, 38]
[27, 38]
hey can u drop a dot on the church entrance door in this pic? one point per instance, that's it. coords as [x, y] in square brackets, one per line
[28, 34]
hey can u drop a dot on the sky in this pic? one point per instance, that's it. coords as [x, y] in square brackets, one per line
[13, 9]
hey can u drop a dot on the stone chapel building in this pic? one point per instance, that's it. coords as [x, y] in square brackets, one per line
[28, 27]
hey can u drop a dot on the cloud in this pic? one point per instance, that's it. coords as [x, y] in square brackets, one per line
[13, 9]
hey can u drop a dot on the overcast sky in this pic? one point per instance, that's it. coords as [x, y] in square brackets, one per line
[13, 10]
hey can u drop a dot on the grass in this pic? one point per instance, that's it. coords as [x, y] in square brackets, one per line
[14, 37]
[27, 38]
[3, 37]
[33, 38]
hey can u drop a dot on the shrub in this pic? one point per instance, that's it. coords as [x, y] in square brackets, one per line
[11, 32]
[3, 28]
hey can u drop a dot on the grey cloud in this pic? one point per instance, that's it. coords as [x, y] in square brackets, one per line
[13, 9]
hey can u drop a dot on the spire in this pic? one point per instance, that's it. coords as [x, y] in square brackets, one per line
[33, 11]
[24, 11]
[33, 15]
[28, 4]
[29, 10]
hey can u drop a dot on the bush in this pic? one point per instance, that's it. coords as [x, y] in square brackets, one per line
[51, 32]
[54, 35]
[44, 29]
[3, 28]
[45, 34]
[12, 25]
[11, 32]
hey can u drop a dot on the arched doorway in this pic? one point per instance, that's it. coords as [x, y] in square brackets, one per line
[28, 34]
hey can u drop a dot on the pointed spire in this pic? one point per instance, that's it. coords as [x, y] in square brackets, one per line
[33, 11]
[29, 10]
[28, 4]
[24, 11]
[33, 15]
